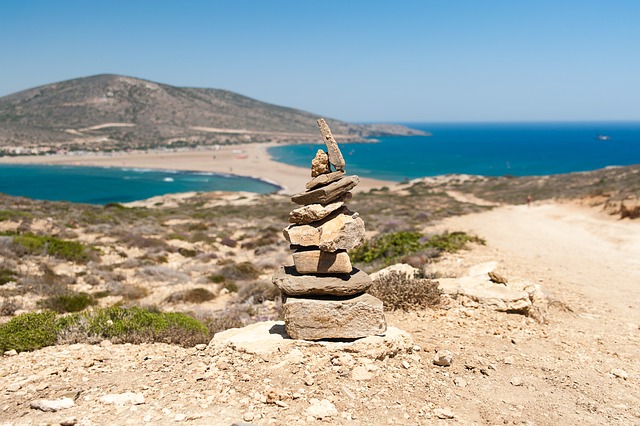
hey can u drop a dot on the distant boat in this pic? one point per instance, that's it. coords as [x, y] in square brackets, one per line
[603, 137]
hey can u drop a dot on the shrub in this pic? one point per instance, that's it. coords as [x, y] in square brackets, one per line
[258, 292]
[37, 244]
[231, 286]
[391, 247]
[194, 295]
[388, 246]
[133, 325]
[231, 319]
[400, 291]
[452, 242]
[216, 278]
[240, 271]
[7, 275]
[13, 215]
[26, 332]
[69, 302]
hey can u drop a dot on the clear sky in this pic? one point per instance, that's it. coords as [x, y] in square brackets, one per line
[356, 60]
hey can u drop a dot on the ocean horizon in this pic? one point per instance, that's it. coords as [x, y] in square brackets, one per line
[489, 149]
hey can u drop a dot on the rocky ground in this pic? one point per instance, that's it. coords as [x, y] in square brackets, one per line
[576, 363]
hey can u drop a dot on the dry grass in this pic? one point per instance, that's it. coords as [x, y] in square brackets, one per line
[400, 291]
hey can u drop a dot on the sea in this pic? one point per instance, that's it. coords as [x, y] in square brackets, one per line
[490, 149]
[102, 185]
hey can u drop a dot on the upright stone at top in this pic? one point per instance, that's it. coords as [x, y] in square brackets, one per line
[335, 156]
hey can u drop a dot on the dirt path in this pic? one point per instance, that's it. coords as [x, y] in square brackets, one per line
[573, 249]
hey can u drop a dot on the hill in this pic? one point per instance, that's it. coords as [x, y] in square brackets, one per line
[112, 112]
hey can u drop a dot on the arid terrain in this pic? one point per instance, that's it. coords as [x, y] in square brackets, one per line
[570, 356]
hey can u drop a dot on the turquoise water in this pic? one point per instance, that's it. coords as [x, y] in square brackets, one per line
[518, 149]
[98, 185]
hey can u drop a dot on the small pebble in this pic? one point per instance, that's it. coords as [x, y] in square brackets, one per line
[516, 381]
[443, 358]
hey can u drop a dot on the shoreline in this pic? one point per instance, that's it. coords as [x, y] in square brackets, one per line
[248, 160]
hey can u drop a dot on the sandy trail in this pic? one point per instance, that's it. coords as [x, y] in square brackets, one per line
[572, 250]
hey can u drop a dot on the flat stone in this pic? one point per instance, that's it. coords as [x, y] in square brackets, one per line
[314, 212]
[320, 164]
[514, 296]
[321, 262]
[344, 231]
[327, 194]
[52, 404]
[324, 179]
[270, 338]
[340, 318]
[123, 398]
[335, 156]
[293, 283]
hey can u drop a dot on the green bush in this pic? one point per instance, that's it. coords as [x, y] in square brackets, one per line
[7, 275]
[240, 271]
[133, 325]
[29, 331]
[38, 244]
[452, 242]
[70, 302]
[216, 278]
[388, 246]
[194, 295]
[13, 215]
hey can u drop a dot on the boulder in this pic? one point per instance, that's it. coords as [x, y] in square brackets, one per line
[324, 179]
[315, 261]
[320, 164]
[270, 338]
[327, 194]
[336, 318]
[511, 297]
[292, 283]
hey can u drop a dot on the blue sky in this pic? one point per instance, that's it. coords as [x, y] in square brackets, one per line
[355, 60]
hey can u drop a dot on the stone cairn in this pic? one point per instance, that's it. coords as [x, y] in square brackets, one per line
[324, 296]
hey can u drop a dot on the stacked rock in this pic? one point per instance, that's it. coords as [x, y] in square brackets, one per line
[324, 296]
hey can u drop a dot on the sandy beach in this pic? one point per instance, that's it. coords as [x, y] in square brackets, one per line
[250, 160]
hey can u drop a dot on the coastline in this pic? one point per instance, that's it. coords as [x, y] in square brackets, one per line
[250, 160]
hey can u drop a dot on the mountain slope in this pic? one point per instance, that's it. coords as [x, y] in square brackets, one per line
[118, 112]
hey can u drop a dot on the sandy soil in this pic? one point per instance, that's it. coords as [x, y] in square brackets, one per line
[245, 160]
[581, 366]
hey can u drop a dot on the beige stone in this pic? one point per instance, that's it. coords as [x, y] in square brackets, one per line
[343, 231]
[320, 164]
[327, 194]
[324, 179]
[337, 318]
[314, 212]
[335, 156]
[320, 262]
[293, 283]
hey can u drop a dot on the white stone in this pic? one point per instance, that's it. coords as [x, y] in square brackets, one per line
[123, 398]
[320, 409]
[52, 404]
